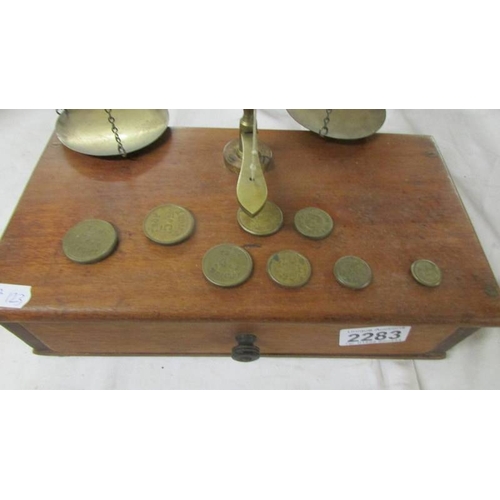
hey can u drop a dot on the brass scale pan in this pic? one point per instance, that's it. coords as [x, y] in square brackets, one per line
[344, 124]
[88, 131]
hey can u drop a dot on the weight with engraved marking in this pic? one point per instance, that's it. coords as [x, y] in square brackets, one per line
[313, 223]
[289, 269]
[267, 222]
[353, 272]
[227, 265]
[426, 273]
[90, 241]
[169, 224]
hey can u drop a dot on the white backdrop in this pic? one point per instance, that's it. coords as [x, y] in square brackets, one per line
[469, 141]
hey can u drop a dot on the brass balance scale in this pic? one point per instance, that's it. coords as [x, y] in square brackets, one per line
[86, 131]
[334, 241]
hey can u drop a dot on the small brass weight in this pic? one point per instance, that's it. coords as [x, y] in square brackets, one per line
[249, 158]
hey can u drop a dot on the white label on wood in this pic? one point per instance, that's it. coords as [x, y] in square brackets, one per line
[14, 296]
[374, 335]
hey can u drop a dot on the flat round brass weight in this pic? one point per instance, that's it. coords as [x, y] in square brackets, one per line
[313, 223]
[289, 269]
[267, 222]
[227, 265]
[169, 224]
[426, 273]
[353, 272]
[90, 241]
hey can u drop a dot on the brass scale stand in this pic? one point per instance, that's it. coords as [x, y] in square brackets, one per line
[85, 131]
[391, 195]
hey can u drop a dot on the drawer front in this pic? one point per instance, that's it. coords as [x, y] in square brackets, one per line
[209, 338]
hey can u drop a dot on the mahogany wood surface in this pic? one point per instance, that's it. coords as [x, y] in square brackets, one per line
[392, 200]
[211, 338]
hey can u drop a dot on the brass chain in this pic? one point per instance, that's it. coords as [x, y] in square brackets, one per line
[324, 130]
[114, 129]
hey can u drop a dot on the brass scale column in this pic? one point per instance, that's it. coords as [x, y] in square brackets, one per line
[249, 158]
[87, 131]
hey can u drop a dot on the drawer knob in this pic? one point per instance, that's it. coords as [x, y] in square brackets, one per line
[246, 351]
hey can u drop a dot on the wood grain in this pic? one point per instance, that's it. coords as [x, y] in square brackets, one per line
[391, 197]
[211, 338]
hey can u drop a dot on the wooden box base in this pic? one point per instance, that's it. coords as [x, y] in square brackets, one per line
[392, 200]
